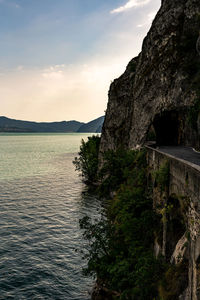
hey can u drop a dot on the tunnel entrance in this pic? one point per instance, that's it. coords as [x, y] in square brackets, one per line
[167, 126]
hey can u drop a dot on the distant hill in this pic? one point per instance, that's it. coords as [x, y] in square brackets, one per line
[93, 126]
[12, 125]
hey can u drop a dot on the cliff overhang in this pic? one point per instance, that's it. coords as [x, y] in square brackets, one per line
[159, 91]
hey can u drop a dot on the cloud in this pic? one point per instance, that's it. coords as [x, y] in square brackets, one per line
[150, 18]
[58, 92]
[130, 4]
[10, 4]
[66, 89]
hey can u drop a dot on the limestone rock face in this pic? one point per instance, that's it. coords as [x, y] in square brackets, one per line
[161, 80]
[179, 252]
[117, 124]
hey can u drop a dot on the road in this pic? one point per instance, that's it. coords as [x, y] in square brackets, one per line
[185, 153]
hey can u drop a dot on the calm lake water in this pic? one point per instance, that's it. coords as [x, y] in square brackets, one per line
[41, 202]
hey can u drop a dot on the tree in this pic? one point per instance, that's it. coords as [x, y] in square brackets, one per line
[87, 162]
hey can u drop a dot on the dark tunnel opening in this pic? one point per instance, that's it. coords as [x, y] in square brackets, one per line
[167, 128]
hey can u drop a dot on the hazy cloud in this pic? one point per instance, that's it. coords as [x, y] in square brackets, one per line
[10, 4]
[63, 92]
[61, 84]
[130, 4]
[150, 18]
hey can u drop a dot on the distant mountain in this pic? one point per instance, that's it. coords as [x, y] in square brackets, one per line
[12, 125]
[93, 126]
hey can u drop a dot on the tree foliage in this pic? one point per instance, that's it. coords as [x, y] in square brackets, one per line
[120, 246]
[87, 161]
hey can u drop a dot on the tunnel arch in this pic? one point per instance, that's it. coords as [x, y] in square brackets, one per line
[168, 128]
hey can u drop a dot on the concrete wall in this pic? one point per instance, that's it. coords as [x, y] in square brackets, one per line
[184, 176]
[184, 182]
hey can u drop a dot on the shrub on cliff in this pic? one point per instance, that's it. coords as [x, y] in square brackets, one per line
[115, 169]
[120, 248]
[87, 161]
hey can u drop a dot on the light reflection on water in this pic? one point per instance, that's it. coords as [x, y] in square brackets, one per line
[41, 202]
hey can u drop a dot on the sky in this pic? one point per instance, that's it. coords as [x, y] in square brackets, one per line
[58, 57]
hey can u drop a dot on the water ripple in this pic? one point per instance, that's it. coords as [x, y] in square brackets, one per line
[39, 232]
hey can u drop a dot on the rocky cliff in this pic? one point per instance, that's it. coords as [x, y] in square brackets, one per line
[159, 96]
[160, 89]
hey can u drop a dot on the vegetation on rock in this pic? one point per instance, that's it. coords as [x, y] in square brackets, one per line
[161, 176]
[120, 245]
[87, 161]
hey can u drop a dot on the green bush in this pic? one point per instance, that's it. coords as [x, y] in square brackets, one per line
[87, 162]
[116, 168]
[120, 246]
[174, 281]
[162, 176]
